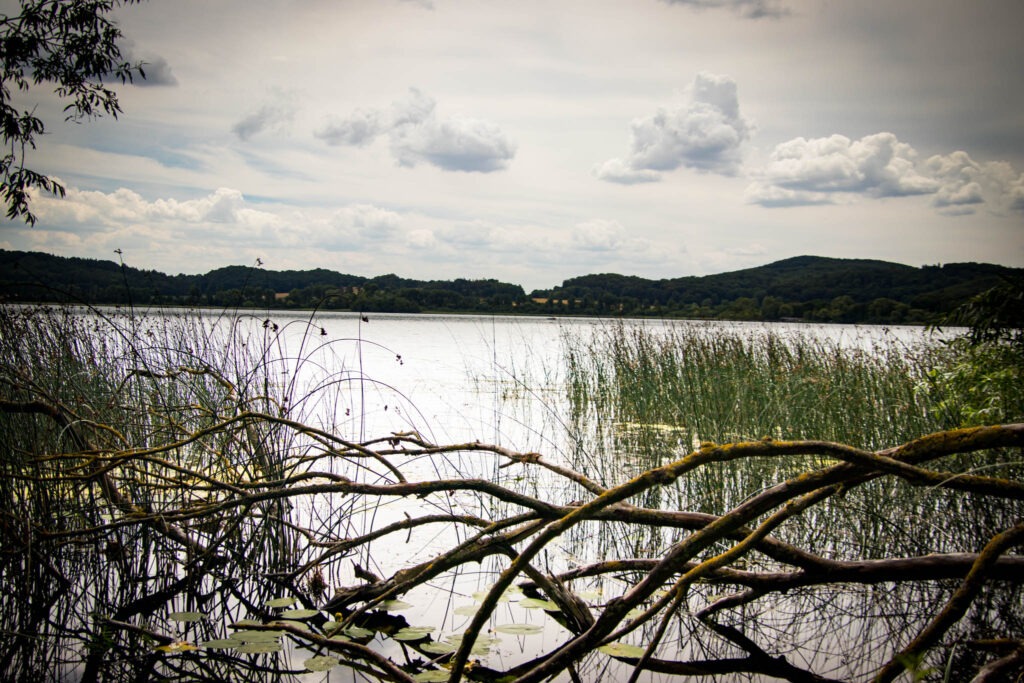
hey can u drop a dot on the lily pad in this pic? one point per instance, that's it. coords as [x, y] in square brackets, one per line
[293, 624]
[259, 648]
[358, 632]
[519, 629]
[281, 602]
[537, 603]
[321, 663]
[436, 648]
[413, 633]
[174, 648]
[394, 605]
[299, 613]
[622, 650]
[222, 644]
[186, 617]
[435, 676]
[467, 611]
[256, 636]
[246, 623]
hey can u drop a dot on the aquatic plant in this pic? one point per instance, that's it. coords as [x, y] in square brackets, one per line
[169, 509]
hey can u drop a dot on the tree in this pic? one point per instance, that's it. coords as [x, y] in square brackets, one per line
[73, 45]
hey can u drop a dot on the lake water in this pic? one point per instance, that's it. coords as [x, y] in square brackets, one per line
[461, 379]
[489, 378]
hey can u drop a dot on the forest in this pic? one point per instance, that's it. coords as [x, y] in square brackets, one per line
[803, 288]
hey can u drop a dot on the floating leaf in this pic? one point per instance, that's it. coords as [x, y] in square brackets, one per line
[321, 663]
[622, 650]
[394, 605]
[185, 617]
[256, 636]
[634, 613]
[537, 603]
[259, 648]
[281, 602]
[331, 626]
[436, 648]
[246, 623]
[220, 644]
[174, 648]
[340, 639]
[358, 632]
[519, 629]
[413, 633]
[467, 611]
[299, 613]
[590, 595]
[435, 676]
[292, 624]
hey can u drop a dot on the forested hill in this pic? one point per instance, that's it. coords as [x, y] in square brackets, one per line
[804, 282]
[805, 288]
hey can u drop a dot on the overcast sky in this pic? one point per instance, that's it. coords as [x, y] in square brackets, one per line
[537, 140]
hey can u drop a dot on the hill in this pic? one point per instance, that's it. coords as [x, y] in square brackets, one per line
[812, 288]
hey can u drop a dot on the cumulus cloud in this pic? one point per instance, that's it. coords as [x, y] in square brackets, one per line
[618, 171]
[418, 135]
[965, 183]
[751, 9]
[272, 115]
[820, 170]
[222, 221]
[705, 133]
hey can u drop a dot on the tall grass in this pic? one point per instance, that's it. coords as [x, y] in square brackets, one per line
[640, 397]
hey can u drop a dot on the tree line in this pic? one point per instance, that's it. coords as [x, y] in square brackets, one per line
[804, 288]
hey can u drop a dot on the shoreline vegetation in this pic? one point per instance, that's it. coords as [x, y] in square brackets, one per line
[726, 505]
[800, 289]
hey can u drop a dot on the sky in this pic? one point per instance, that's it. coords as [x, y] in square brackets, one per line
[538, 140]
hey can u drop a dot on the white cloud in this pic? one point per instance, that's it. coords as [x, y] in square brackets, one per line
[705, 133]
[272, 115]
[617, 171]
[821, 170]
[417, 135]
[965, 183]
[605, 235]
[752, 9]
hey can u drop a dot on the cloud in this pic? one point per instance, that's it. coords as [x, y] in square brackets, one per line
[605, 235]
[358, 130]
[156, 68]
[820, 170]
[157, 72]
[616, 171]
[965, 183]
[751, 9]
[705, 134]
[223, 220]
[417, 135]
[269, 116]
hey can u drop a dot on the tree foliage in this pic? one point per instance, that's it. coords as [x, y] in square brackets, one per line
[72, 46]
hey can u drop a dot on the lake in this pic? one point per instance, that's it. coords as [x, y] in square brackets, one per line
[528, 385]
